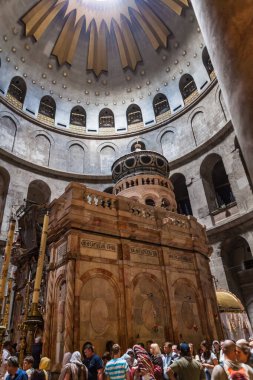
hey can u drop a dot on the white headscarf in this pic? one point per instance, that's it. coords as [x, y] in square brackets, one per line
[76, 358]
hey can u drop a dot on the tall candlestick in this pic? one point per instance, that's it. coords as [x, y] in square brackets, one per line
[6, 262]
[39, 271]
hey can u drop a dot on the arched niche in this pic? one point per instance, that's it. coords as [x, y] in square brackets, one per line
[160, 104]
[107, 158]
[78, 116]
[181, 194]
[99, 312]
[238, 263]
[207, 62]
[141, 143]
[199, 127]
[187, 86]
[43, 148]
[106, 118]
[8, 130]
[167, 140]
[216, 183]
[38, 192]
[4, 186]
[150, 202]
[17, 91]
[47, 107]
[76, 158]
[149, 308]
[134, 114]
[187, 311]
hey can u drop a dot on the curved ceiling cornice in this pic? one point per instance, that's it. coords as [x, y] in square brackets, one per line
[101, 20]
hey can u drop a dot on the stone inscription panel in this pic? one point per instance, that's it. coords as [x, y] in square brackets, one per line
[179, 259]
[97, 248]
[144, 255]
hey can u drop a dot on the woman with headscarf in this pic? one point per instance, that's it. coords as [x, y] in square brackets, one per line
[75, 369]
[144, 363]
[131, 361]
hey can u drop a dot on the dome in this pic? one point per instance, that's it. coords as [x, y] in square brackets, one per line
[228, 302]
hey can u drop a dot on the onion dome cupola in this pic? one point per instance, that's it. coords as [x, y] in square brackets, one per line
[143, 175]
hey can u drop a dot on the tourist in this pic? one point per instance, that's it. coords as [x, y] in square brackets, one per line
[157, 360]
[144, 364]
[208, 359]
[231, 368]
[45, 364]
[221, 357]
[175, 353]
[244, 354]
[5, 355]
[93, 363]
[36, 351]
[74, 369]
[106, 358]
[167, 358]
[186, 368]
[251, 343]
[14, 372]
[117, 368]
[38, 374]
[28, 366]
[192, 352]
[216, 349]
[148, 344]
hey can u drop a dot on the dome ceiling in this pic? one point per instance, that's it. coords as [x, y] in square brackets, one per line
[100, 20]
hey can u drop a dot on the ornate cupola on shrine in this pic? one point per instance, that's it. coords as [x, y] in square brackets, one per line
[143, 175]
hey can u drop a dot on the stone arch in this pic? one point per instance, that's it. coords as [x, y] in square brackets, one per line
[76, 158]
[198, 125]
[181, 194]
[207, 62]
[187, 86]
[188, 320]
[8, 132]
[237, 259]
[100, 312]
[42, 149]
[141, 143]
[160, 104]
[38, 192]
[216, 183]
[150, 200]
[134, 114]
[149, 308]
[17, 90]
[106, 118]
[107, 158]
[47, 107]
[166, 141]
[4, 186]
[78, 116]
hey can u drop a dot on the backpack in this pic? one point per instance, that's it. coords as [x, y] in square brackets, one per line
[238, 374]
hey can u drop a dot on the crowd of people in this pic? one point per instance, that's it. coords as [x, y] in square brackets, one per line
[226, 360]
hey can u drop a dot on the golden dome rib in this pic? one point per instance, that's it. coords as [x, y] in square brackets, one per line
[98, 18]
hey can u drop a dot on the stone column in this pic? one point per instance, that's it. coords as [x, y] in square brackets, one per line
[227, 28]
[69, 307]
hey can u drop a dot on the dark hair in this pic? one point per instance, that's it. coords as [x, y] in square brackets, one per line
[168, 344]
[12, 361]
[38, 374]
[29, 359]
[106, 356]
[149, 342]
[88, 346]
[141, 344]
[207, 353]
[115, 349]
[7, 343]
[108, 345]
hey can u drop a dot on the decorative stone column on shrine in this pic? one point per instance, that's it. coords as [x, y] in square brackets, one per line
[227, 27]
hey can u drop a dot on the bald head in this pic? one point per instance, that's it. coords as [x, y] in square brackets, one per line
[229, 349]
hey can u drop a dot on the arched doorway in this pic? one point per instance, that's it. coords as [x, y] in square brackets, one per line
[181, 193]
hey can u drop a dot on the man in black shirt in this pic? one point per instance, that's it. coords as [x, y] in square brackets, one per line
[93, 363]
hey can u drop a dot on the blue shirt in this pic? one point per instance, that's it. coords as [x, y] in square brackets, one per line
[116, 369]
[93, 364]
[19, 375]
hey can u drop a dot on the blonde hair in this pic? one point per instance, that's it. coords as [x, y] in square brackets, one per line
[156, 349]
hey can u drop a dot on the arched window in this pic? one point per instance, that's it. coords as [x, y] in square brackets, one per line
[134, 114]
[136, 145]
[160, 104]
[47, 107]
[78, 116]
[165, 203]
[181, 194]
[17, 90]
[216, 184]
[106, 118]
[150, 202]
[187, 86]
[207, 62]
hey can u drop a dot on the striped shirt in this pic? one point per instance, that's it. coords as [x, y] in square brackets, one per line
[116, 369]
